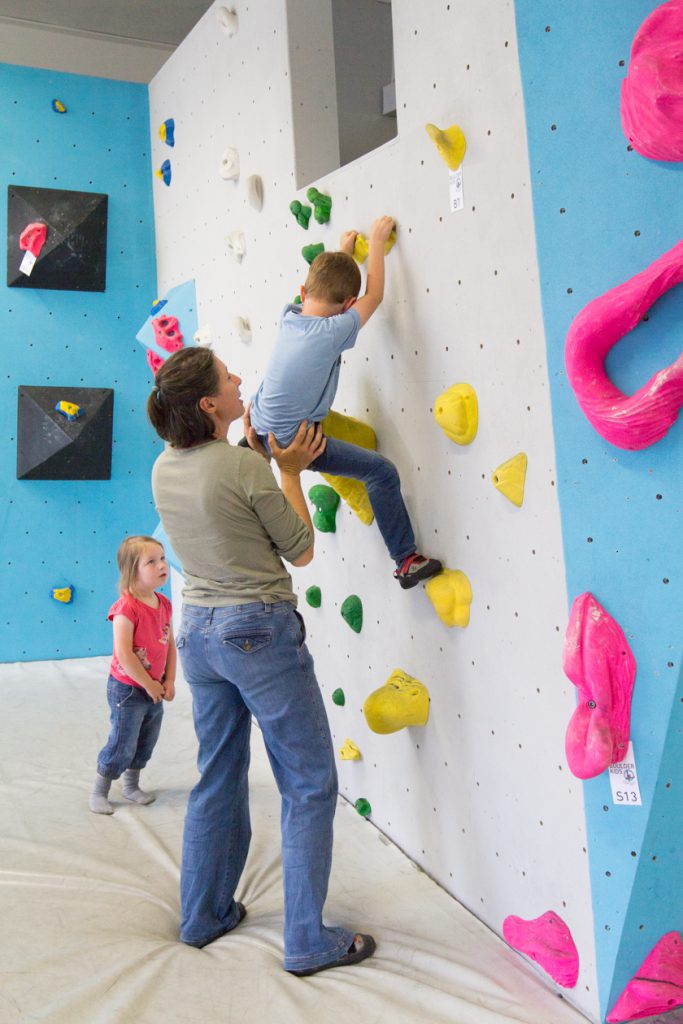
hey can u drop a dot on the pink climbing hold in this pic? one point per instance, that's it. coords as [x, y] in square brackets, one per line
[155, 361]
[652, 92]
[627, 421]
[166, 333]
[548, 941]
[658, 985]
[599, 662]
[33, 238]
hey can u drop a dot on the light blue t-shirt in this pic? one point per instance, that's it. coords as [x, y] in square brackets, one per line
[302, 375]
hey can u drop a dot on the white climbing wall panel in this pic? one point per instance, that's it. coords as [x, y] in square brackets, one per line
[481, 797]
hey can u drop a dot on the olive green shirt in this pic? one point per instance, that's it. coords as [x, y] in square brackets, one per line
[229, 523]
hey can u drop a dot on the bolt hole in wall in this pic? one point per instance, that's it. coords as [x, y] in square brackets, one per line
[346, 48]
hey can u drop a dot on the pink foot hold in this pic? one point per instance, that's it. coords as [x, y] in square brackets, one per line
[627, 421]
[548, 941]
[166, 333]
[155, 361]
[658, 985]
[599, 662]
[652, 92]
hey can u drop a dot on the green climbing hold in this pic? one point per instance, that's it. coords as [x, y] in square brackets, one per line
[314, 597]
[309, 252]
[363, 807]
[326, 502]
[352, 612]
[296, 300]
[338, 698]
[322, 205]
[301, 212]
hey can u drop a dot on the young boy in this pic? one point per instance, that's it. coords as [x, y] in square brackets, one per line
[301, 382]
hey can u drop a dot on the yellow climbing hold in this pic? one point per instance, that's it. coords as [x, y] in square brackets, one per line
[457, 413]
[361, 246]
[450, 142]
[509, 478]
[346, 428]
[401, 702]
[451, 595]
[349, 752]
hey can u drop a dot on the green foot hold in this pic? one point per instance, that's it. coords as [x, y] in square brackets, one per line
[314, 597]
[352, 612]
[363, 807]
[338, 698]
[301, 212]
[309, 252]
[326, 502]
[296, 300]
[322, 205]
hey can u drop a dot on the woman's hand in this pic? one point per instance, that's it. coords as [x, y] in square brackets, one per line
[308, 444]
[251, 435]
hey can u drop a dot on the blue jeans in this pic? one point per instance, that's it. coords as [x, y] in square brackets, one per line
[135, 726]
[242, 660]
[383, 485]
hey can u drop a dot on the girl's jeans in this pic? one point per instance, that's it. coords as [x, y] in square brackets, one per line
[135, 725]
[239, 661]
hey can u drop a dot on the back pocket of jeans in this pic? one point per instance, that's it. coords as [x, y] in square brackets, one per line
[247, 642]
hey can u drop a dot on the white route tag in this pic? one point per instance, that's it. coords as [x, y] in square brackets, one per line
[455, 190]
[623, 778]
[28, 263]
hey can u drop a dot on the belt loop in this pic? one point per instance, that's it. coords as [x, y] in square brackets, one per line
[210, 618]
[267, 607]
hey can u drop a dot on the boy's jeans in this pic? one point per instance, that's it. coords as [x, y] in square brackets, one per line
[383, 485]
[243, 660]
[135, 727]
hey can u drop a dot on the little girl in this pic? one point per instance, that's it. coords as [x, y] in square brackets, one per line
[142, 671]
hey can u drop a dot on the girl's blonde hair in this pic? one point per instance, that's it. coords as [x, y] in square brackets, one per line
[127, 559]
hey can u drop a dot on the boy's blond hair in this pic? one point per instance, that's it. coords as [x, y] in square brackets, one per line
[127, 559]
[333, 277]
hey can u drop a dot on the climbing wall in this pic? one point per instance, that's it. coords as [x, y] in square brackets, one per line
[57, 532]
[603, 213]
[481, 797]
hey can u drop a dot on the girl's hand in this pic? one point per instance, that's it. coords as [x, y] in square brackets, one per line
[155, 690]
[347, 242]
[308, 444]
[169, 689]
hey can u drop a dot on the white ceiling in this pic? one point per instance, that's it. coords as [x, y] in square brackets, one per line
[153, 21]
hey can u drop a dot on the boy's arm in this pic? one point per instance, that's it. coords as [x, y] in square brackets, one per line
[374, 289]
[129, 661]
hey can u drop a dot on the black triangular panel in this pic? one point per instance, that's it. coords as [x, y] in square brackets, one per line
[50, 447]
[74, 256]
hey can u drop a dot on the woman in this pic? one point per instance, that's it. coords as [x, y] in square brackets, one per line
[241, 643]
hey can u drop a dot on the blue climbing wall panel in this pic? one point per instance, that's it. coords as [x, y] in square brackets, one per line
[57, 532]
[603, 213]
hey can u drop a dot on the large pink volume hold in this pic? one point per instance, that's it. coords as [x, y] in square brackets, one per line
[599, 662]
[627, 421]
[658, 985]
[548, 941]
[652, 92]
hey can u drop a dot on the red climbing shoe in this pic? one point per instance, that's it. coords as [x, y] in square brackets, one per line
[416, 568]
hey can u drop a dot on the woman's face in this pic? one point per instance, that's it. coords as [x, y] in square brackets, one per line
[227, 402]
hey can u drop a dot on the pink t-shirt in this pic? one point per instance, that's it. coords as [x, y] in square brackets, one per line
[151, 627]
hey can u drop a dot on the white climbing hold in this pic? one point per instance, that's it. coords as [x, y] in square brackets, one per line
[255, 191]
[227, 19]
[230, 164]
[237, 245]
[243, 328]
[203, 337]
